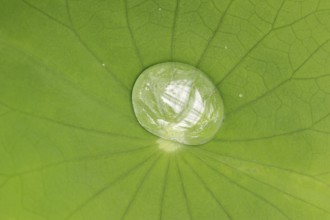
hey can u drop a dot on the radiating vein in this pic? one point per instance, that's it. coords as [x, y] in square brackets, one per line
[263, 137]
[251, 48]
[108, 186]
[277, 14]
[65, 124]
[212, 37]
[208, 189]
[301, 18]
[138, 188]
[75, 32]
[47, 15]
[270, 91]
[71, 27]
[208, 153]
[174, 27]
[309, 128]
[54, 164]
[130, 31]
[183, 190]
[39, 62]
[99, 156]
[269, 185]
[255, 46]
[162, 197]
[243, 187]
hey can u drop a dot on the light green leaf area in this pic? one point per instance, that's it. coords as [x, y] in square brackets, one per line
[70, 145]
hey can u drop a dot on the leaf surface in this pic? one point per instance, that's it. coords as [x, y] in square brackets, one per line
[71, 148]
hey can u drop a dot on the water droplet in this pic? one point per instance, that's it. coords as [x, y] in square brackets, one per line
[103, 64]
[240, 95]
[159, 9]
[226, 47]
[181, 103]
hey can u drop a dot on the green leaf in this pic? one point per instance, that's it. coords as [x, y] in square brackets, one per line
[70, 145]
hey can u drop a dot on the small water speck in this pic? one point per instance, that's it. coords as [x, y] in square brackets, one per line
[159, 9]
[226, 47]
[240, 95]
[103, 64]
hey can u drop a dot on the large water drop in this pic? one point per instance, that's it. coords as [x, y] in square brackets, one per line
[178, 102]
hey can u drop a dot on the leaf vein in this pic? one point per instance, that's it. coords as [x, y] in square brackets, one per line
[213, 35]
[244, 188]
[143, 179]
[164, 189]
[208, 189]
[272, 186]
[130, 31]
[184, 190]
[270, 91]
[106, 187]
[83, 43]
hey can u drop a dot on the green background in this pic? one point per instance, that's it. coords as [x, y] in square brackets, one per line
[71, 148]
